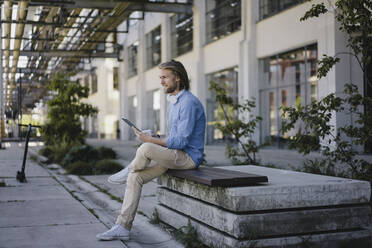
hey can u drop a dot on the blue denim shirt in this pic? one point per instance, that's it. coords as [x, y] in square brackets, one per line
[187, 126]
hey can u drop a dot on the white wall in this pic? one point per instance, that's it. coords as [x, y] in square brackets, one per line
[256, 39]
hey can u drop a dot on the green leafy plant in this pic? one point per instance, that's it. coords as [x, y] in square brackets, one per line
[106, 153]
[107, 166]
[187, 236]
[65, 110]
[155, 219]
[338, 145]
[239, 124]
[80, 168]
[84, 153]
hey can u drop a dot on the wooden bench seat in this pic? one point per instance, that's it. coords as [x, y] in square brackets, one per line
[212, 176]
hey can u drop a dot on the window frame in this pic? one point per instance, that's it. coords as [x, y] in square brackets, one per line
[268, 8]
[220, 10]
[133, 59]
[178, 35]
[152, 46]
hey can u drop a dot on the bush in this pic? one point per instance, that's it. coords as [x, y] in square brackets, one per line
[107, 166]
[46, 152]
[106, 153]
[80, 168]
[83, 153]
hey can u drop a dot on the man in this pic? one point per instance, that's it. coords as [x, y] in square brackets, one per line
[182, 149]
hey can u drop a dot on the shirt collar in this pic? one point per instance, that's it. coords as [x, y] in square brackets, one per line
[174, 98]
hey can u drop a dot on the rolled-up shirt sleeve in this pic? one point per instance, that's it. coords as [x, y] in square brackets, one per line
[185, 125]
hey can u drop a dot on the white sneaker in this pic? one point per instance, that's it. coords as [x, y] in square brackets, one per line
[116, 232]
[120, 177]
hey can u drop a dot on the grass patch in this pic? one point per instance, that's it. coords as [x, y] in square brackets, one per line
[2, 184]
[34, 158]
[141, 213]
[187, 235]
[155, 217]
[91, 210]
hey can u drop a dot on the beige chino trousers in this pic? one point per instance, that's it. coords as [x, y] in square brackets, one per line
[163, 158]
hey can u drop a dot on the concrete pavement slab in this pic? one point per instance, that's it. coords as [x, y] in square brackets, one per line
[31, 182]
[61, 236]
[45, 212]
[33, 193]
[9, 168]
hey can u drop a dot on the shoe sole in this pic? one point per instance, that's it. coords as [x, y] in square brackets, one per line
[116, 182]
[114, 238]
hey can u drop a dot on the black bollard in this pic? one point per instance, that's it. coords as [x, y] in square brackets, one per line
[21, 174]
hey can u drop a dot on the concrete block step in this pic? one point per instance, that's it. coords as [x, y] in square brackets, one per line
[217, 239]
[267, 223]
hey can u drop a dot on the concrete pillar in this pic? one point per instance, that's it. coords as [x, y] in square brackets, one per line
[141, 84]
[1, 95]
[199, 86]
[123, 98]
[248, 63]
[166, 55]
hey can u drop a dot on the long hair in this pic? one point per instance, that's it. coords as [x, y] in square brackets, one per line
[178, 70]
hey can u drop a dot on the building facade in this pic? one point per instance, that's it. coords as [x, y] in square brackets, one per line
[255, 49]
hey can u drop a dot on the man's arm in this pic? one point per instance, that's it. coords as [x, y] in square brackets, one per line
[147, 138]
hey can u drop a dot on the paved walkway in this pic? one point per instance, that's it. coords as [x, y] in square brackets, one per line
[57, 210]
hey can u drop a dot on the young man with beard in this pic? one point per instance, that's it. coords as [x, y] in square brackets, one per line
[182, 149]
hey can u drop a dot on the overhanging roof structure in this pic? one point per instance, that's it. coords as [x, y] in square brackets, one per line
[41, 37]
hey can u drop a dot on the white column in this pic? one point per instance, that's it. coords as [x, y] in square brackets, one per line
[141, 84]
[165, 56]
[199, 87]
[1, 93]
[123, 98]
[248, 84]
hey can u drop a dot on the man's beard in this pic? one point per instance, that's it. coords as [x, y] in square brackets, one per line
[171, 89]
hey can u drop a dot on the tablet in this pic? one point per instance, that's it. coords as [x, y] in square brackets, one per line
[131, 124]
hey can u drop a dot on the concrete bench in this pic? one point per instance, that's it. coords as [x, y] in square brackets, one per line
[292, 209]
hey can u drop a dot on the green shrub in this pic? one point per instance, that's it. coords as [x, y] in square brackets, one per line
[106, 153]
[188, 236]
[84, 153]
[46, 152]
[80, 168]
[107, 166]
[65, 109]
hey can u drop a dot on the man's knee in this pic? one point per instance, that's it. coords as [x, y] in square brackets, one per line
[145, 148]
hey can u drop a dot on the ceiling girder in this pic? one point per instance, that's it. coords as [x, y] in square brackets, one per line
[69, 31]
[67, 53]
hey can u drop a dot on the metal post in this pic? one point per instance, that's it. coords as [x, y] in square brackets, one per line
[21, 174]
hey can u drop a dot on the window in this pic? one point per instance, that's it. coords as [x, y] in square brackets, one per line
[132, 59]
[286, 79]
[153, 48]
[182, 34]
[223, 17]
[116, 78]
[153, 110]
[227, 79]
[94, 127]
[86, 82]
[94, 83]
[132, 114]
[268, 8]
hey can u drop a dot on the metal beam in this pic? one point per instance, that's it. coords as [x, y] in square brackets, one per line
[161, 7]
[139, 5]
[67, 53]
